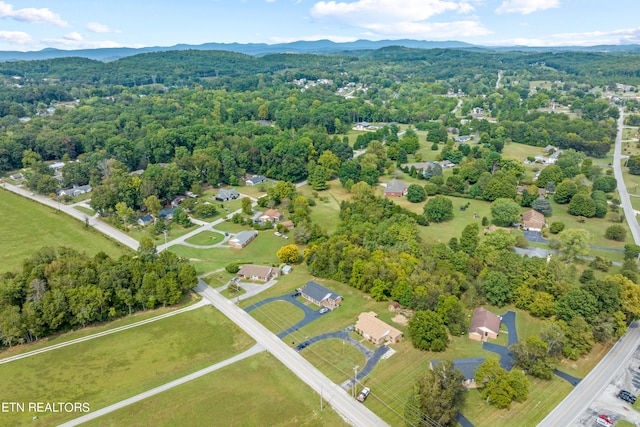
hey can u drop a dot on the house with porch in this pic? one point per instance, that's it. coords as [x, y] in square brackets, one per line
[375, 330]
[319, 295]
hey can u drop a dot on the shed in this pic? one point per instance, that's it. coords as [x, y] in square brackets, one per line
[484, 325]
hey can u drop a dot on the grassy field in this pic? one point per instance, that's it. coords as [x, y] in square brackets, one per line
[277, 315]
[94, 329]
[260, 251]
[205, 238]
[27, 226]
[521, 151]
[138, 232]
[543, 397]
[335, 358]
[256, 391]
[135, 360]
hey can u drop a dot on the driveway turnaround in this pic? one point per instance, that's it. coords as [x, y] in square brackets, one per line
[93, 415]
[309, 314]
[372, 356]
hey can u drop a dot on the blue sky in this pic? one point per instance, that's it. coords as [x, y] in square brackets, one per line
[76, 24]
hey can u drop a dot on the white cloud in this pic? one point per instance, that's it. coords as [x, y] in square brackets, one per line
[593, 38]
[76, 41]
[96, 27]
[76, 37]
[401, 18]
[526, 7]
[336, 39]
[16, 37]
[31, 15]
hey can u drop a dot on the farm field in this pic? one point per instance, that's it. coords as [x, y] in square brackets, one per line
[136, 360]
[27, 226]
[256, 390]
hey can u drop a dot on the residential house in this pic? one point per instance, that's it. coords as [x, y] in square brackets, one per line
[56, 166]
[242, 239]
[271, 215]
[255, 180]
[428, 169]
[145, 220]
[16, 176]
[286, 269]
[395, 188]
[375, 330]
[175, 202]
[463, 139]
[550, 148]
[167, 213]
[319, 295]
[468, 368]
[75, 191]
[361, 126]
[226, 195]
[261, 273]
[484, 325]
[446, 164]
[533, 220]
[289, 224]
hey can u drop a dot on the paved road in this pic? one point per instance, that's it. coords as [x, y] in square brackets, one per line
[622, 189]
[100, 412]
[356, 413]
[593, 384]
[70, 210]
[102, 334]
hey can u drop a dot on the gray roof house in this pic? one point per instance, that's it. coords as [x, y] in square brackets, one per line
[242, 239]
[255, 180]
[75, 191]
[167, 213]
[226, 195]
[145, 220]
[319, 295]
[467, 366]
[395, 188]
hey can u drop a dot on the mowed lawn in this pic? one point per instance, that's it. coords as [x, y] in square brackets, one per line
[262, 250]
[205, 238]
[277, 315]
[109, 369]
[257, 391]
[26, 226]
[335, 358]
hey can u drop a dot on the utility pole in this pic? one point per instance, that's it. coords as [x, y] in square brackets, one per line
[355, 380]
[165, 236]
[321, 391]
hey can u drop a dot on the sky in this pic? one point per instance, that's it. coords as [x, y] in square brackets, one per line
[79, 24]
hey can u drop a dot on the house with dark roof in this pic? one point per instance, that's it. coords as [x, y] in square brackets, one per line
[395, 188]
[145, 220]
[319, 295]
[177, 200]
[255, 180]
[167, 213]
[75, 191]
[533, 220]
[242, 239]
[428, 169]
[226, 195]
[262, 273]
[467, 366]
[484, 325]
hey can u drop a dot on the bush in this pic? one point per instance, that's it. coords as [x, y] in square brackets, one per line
[232, 268]
[556, 227]
[616, 233]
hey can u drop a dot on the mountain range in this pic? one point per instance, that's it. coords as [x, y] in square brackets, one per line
[318, 47]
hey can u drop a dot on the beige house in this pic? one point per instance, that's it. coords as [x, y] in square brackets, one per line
[271, 215]
[484, 325]
[375, 330]
[533, 220]
[261, 273]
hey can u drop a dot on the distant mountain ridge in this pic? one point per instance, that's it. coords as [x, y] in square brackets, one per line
[318, 47]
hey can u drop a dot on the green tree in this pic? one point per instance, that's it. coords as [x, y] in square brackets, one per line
[289, 254]
[565, 191]
[497, 288]
[556, 227]
[616, 232]
[533, 356]
[542, 205]
[427, 331]
[549, 174]
[152, 204]
[416, 193]
[605, 183]
[123, 211]
[318, 178]
[438, 209]
[470, 238]
[246, 206]
[500, 388]
[579, 338]
[582, 205]
[575, 242]
[505, 212]
[633, 163]
[437, 396]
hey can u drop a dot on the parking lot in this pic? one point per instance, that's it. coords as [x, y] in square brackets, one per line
[608, 403]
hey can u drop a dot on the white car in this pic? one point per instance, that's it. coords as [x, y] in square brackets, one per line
[277, 234]
[323, 310]
[285, 237]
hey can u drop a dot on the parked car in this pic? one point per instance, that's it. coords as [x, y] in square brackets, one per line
[285, 237]
[604, 421]
[295, 294]
[363, 394]
[301, 346]
[323, 310]
[277, 234]
[627, 396]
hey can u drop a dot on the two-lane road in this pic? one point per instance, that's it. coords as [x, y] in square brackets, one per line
[355, 412]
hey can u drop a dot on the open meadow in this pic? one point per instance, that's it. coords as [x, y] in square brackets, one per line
[108, 369]
[256, 391]
[26, 226]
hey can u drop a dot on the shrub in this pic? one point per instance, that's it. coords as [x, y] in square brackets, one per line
[616, 232]
[232, 268]
[556, 227]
